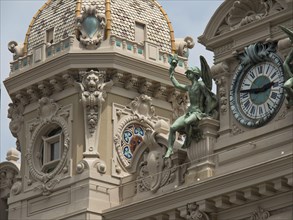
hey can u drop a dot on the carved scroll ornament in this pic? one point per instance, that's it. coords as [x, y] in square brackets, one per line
[91, 26]
[49, 113]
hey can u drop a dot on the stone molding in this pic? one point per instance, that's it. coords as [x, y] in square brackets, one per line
[231, 191]
[49, 112]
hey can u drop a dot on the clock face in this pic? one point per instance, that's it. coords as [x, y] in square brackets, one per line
[256, 91]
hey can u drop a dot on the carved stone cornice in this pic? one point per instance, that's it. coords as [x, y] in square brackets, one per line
[45, 89]
[217, 194]
[34, 93]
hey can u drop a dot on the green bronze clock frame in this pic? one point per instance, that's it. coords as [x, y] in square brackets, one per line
[263, 92]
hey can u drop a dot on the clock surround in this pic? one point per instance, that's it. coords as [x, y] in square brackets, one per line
[256, 92]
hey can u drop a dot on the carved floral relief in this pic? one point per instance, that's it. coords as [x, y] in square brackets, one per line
[244, 12]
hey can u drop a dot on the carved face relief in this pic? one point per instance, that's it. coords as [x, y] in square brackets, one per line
[91, 82]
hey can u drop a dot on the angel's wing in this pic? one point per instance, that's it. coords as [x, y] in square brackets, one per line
[206, 73]
[288, 32]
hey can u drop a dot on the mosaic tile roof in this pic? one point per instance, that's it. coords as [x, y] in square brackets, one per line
[125, 13]
[61, 15]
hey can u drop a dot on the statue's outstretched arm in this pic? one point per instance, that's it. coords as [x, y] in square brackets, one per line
[177, 84]
[172, 77]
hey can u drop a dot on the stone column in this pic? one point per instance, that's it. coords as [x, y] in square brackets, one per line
[200, 154]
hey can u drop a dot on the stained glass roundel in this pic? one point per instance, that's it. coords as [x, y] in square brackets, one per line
[132, 138]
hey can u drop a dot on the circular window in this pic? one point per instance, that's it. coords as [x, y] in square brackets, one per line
[49, 148]
[132, 138]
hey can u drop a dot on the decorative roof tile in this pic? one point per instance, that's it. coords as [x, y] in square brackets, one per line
[61, 15]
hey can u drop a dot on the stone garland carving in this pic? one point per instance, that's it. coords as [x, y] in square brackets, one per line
[91, 26]
[244, 12]
[154, 171]
[260, 214]
[49, 112]
[221, 82]
[15, 113]
[193, 213]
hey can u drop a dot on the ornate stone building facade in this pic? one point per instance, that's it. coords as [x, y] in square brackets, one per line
[93, 103]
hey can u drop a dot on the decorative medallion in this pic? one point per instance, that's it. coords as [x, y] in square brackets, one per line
[154, 171]
[91, 27]
[49, 144]
[131, 128]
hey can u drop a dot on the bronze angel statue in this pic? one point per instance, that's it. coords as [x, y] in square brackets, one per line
[203, 103]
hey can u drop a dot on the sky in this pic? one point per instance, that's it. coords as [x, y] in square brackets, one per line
[189, 18]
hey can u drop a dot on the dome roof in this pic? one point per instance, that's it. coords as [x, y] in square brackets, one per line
[121, 18]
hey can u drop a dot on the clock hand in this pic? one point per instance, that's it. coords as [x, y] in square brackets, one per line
[258, 90]
[253, 90]
[268, 85]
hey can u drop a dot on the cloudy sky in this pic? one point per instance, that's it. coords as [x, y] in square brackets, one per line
[189, 18]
